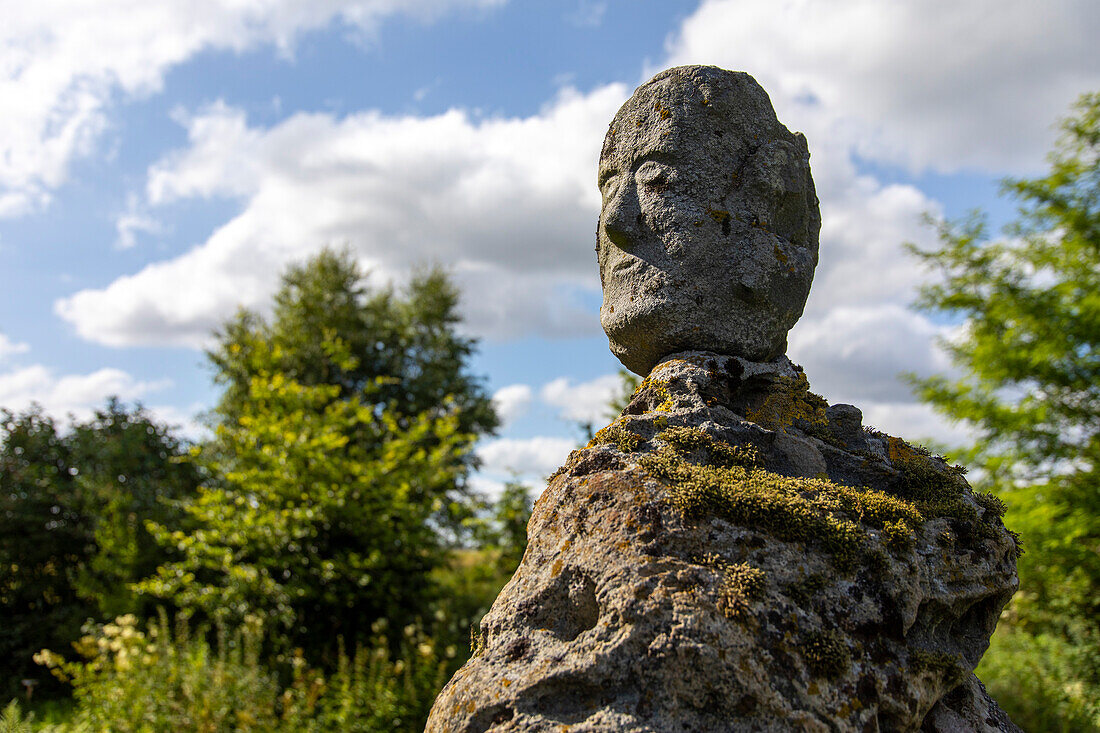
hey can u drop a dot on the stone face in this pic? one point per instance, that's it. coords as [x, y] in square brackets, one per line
[708, 236]
[732, 554]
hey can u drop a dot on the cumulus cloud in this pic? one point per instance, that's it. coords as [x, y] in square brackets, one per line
[857, 353]
[531, 458]
[9, 348]
[917, 422]
[132, 221]
[507, 203]
[63, 64]
[512, 402]
[75, 394]
[583, 401]
[929, 83]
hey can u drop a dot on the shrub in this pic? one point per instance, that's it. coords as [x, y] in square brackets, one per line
[1036, 679]
[129, 680]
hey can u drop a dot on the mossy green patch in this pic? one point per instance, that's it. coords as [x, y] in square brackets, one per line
[728, 483]
[617, 435]
[825, 653]
[790, 401]
[741, 584]
[950, 666]
[939, 490]
[477, 641]
[991, 503]
[808, 588]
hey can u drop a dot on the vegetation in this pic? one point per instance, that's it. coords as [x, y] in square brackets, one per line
[71, 522]
[329, 512]
[339, 461]
[1029, 355]
[129, 679]
[710, 478]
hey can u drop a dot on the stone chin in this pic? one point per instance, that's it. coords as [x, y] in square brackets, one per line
[641, 336]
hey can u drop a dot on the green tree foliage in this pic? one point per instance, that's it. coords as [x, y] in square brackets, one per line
[629, 383]
[405, 346]
[72, 507]
[342, 446]
[1030, 359]
[473, 576]
[45, 537]
[511, 513]
[131, 470]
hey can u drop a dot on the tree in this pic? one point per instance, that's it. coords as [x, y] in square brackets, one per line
[1030, 358]
[72, 511]
[44, 536]
[628, 385]
[131, 470]
[405, 346]
[343, 442]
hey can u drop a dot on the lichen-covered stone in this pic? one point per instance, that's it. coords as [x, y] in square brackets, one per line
[693, 569]
[708, 237]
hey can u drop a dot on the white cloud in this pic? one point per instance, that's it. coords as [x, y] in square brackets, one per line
[584, 401]
[9, 348]
[512, 402]
[932, 83]
[858, 352]
[76, 394]
[531, 458]
[132, 221]
[507, 203]
[182, 422]
[916, 422]
[62, 65]
[588, 13]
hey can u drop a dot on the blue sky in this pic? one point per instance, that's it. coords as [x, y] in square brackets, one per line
[161, 163]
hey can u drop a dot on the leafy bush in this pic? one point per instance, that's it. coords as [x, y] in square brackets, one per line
[129, 680]
[1036, 679]
[12, 720]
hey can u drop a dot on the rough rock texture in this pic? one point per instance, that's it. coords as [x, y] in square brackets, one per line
[732, 554]
[708, 236]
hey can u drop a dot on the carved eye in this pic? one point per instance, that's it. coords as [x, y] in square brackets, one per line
[655, 176]
[606, 177]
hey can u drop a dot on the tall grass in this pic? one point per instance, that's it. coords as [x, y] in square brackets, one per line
[168, 677]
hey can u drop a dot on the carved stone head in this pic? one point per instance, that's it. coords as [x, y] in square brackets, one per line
[708, 236]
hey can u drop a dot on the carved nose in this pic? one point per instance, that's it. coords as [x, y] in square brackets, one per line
[622, 217]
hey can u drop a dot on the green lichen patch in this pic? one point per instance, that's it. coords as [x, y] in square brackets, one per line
[939, 490]
[617, 435]
[730, 485]
[949, 666]
[806, 589]
[791, 403]
[659, 390]
[825, 653]
[740, 585]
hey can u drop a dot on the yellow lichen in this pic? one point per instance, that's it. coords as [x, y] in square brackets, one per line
[740, 585]
[789, 401]
[825, 653]
[710, 478]
[721, 216]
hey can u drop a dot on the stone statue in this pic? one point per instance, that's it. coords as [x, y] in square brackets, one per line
[732, 553]
[708, 236]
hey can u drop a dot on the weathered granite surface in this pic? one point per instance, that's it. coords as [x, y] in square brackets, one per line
[732, 554]
[708, 236]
